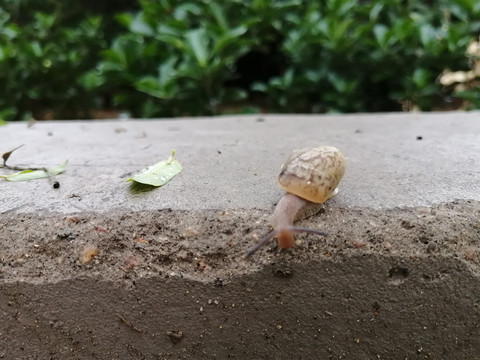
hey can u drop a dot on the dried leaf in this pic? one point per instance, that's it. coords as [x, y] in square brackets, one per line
[27, 175]
[160, 173]
[7, 154]
[449, 78]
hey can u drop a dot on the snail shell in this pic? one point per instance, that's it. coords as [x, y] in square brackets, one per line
[313, 174]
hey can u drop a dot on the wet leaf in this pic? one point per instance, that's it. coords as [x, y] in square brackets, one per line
[27, 175]
[160, 173]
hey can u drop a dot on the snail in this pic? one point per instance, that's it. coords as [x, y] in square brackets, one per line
[309, 177]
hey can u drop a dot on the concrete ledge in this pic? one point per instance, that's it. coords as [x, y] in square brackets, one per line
[232, 162]
[398, 276]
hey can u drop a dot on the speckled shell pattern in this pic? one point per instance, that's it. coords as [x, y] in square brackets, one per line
[313, 174]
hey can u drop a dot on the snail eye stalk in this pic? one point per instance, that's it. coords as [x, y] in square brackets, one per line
[261, 243]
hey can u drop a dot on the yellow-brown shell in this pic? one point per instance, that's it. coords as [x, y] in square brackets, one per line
[313, 174]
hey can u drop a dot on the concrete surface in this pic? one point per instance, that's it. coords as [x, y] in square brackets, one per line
[101, 270]
[231, 162]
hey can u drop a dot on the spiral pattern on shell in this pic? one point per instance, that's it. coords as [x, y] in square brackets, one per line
[313, 174]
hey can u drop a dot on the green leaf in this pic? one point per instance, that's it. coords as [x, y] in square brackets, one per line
[258, 86]
[160, 173]
[163, 29]
[183, 11]
[229, 38]
[125, 19]
[149, 85]
[91, 80]
[45, 20]
[139, 26]
[380, 32]
[3, 122]
[457, 10]
[427, 34]
[197, 39]
[27, 175]
[171, 40]
[375, 11]
[114, 60]
[10, 32]
[35, 48]
[219, 15]
[421, 78]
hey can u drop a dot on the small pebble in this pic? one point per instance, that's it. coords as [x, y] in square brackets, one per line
[88, 253]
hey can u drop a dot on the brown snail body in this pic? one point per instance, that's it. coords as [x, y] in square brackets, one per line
[310, 177]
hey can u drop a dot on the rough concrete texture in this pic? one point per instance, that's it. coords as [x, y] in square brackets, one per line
[100, 270]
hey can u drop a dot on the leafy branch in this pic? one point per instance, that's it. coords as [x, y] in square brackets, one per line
[31, 173]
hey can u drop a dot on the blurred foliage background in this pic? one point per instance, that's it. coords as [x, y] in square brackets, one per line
[160, 58]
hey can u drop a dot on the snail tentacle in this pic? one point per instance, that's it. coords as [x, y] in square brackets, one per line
[274, 233]
[261, 243]
[307, 230]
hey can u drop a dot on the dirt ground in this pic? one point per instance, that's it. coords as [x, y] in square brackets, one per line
[384, 284]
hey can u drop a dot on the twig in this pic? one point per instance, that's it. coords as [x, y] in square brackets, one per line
[128, 323]
[19, 168]
[51, 175]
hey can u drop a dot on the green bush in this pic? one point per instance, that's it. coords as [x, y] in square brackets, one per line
[42, 66]
[346, 55]
[47, 52]
[173, 58]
